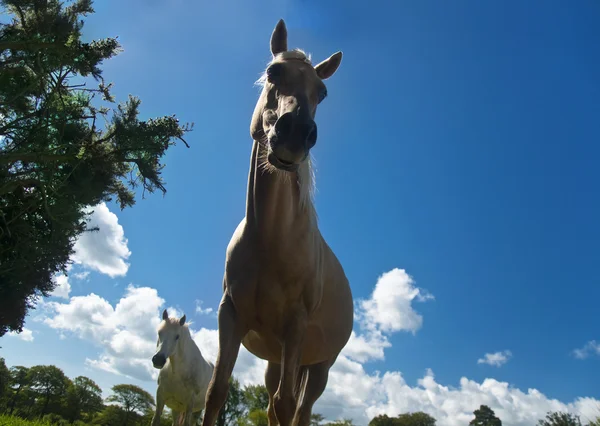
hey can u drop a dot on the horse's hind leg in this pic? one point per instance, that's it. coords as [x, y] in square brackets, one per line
[315, 385]
[272, 374]
[230, 339]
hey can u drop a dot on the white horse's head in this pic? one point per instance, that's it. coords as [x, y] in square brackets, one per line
[169, 331]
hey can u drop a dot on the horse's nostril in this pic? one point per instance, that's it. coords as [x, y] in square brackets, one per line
[284, 125]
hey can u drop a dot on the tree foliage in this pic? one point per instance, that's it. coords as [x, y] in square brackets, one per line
[132, 398]
[418, 418]
[233, 409]
[485, 416]
[559, 418]
[62, 148]
[49, 384]
[84, 399]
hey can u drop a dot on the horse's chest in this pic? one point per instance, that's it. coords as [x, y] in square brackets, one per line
[177, 392]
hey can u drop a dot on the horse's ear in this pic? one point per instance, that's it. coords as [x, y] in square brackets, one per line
[165, 315]
[182, 320]
[329, 66]
[279, 38]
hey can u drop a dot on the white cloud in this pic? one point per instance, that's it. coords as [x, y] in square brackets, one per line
[25, 335]
[388, 310]
[104, 250]
[126, 333]
[453, 406]
[390, 306]
[590, 348]
[63, 288]
[495, 359]
[82, 275]
[202, 311]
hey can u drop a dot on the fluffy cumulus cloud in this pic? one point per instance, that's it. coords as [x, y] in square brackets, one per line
[26, 335]
[591, 348]
[495, 359]
[104, 250]
[389, 309]
[126, 334]
[63, 287]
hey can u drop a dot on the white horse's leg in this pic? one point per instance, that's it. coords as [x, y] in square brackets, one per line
[195, 417]
[160, 404]
[176, 417]
[189, 410]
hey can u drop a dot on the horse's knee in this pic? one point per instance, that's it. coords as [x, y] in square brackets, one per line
[284, 404]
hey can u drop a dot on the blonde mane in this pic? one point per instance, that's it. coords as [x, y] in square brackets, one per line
[306, 173]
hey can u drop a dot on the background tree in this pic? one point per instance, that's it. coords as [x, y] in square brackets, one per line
[255, 397]
[84, 399]
[316, 419]
[485, 416]
[19, 383]
[132, 399]
[343, 422]
[595, 422]
[383, 420]
[4, 384]
[57, 157]
[559, 418]
[255, 400]
[417, 418]
[233, 408]
[49, 384]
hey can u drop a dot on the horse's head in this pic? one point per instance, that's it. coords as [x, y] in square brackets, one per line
[169, 331]
[284, 117]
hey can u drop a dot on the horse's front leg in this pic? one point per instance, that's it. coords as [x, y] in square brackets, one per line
[272, 375]
[189, 410]
[160, 404]
[285, 399]
[231, 333]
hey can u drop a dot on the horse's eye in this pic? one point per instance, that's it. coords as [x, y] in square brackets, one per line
[177, 337]
[322, 95]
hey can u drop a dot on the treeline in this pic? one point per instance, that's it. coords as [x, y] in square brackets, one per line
[483, 416]
[45, 392]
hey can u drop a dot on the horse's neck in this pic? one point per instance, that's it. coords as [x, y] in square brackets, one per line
[273, 203]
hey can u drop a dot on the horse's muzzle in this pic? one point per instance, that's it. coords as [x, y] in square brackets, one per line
[159, 361]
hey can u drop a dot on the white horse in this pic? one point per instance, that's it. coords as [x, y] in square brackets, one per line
[184, 373]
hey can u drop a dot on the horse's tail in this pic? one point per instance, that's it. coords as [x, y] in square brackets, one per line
[301, 380]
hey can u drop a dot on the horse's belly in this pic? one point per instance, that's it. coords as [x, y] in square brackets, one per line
[314, 351]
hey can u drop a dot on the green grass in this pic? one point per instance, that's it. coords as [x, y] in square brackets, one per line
[16, 421]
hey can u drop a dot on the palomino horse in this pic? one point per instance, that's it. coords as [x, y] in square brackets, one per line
[286, 296]
[184, 373]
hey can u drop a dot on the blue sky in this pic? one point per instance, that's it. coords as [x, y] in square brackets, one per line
[458, 142]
